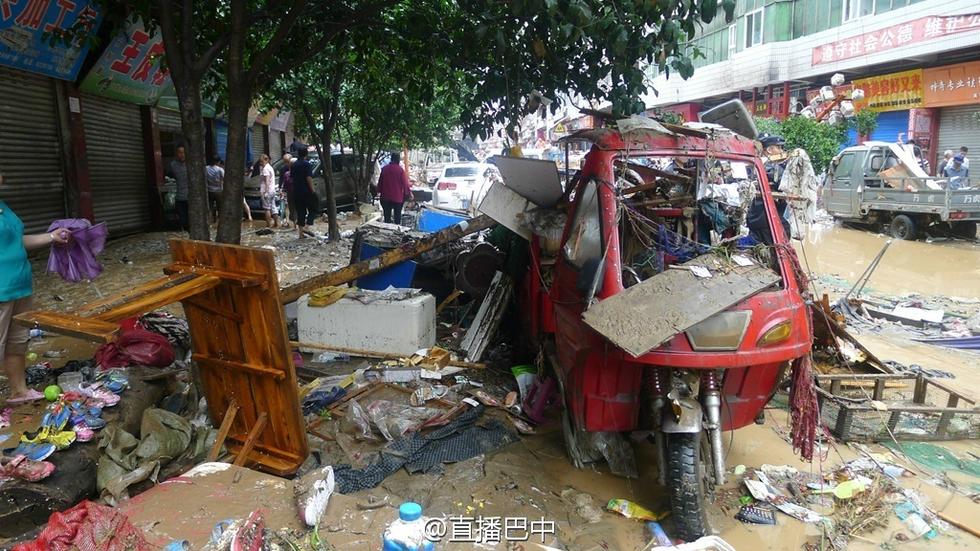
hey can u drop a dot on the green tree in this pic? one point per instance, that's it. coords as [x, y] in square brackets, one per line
[864, 122]
[593, 49]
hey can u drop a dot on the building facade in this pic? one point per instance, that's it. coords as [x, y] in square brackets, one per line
[88, 133]
[918, 62]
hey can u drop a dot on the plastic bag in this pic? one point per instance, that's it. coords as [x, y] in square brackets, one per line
[88, 525]
[136, 347]
[393, 421]
[358, 419]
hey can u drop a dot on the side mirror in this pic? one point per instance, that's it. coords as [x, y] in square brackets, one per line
[877, 162]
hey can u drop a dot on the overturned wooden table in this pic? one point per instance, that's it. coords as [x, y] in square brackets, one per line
[230, 296]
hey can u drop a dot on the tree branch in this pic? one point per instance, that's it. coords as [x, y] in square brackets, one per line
[282, 32]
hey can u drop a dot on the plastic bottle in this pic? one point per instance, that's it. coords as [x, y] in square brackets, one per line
[407, 532]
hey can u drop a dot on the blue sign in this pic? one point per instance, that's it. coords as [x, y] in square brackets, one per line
[26, 30]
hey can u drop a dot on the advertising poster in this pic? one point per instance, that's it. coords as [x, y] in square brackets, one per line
[28, 30]
[130, 68]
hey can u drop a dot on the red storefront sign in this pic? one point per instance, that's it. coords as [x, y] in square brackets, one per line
[895, 36]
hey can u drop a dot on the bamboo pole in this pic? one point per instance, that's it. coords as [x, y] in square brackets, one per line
[375, 354]
[376, 264]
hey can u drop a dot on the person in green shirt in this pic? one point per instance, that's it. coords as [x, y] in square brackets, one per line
[15, 296]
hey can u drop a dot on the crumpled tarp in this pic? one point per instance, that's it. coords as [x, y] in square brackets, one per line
[325, 296]
[461, 439]
[799, 179]
[88, 525]
[75, 261]
[164, 436]
[136, 347]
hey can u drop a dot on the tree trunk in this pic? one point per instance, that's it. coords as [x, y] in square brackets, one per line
[230, 218]
[327, 163]
[192, 125]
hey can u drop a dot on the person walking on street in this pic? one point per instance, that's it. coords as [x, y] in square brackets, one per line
[947, 158]
[287, 189]
[16, 287]
[296, 146]
[304, 194]
[215, 176]
[178, 171]
[269, 191]
[395, 189]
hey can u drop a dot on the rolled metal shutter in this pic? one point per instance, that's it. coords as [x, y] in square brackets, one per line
[169, 121]
[258, 141]
[959, 126]
[30, 149]
[117, 164]
[890, 125]
[275, 144]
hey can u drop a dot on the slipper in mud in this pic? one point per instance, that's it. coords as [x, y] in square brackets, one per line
[25, 469]
[33, 451]
[84, 434]
[5, 417]
[251, 535]
[89, 421]
[56, 420]
[486, 399]
[61, 439]
[31, 396]
[312, 492]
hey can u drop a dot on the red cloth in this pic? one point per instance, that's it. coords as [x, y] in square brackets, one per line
[393, 184]
[88, 525]
[136, 347]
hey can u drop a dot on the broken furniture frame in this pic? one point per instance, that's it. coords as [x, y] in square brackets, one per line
[851, 410]
[230, 296]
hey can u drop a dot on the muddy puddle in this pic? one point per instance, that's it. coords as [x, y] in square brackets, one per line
[949, 268]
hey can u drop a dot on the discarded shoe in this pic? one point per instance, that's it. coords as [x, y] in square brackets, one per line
[84, 434]
[33, 451]
[90, 421]
[251, 535]
[313, 492]
[22, 467]
[31, 396]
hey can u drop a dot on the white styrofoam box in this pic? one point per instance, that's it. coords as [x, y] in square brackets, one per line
[384, 325]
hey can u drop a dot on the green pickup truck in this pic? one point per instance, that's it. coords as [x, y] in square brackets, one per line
[855, 190]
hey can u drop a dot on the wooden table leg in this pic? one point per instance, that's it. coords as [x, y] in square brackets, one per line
[253, 435]
[223, 430]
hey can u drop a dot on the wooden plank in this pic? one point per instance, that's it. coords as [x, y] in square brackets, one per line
[385, 260]
[375, 354]
[238, 278]
[448, 300]
[155, 299]
[118, 299]
[253, 436]
[70, 325]
[651, 312]
[488, 317]
[223, 430]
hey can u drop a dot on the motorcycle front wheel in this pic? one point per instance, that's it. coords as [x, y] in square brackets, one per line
[686, 483]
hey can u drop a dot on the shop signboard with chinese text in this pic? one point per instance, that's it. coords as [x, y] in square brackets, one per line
[952, 85]
[892, 92]
[896, 36]
[28, 28]
[131, 67]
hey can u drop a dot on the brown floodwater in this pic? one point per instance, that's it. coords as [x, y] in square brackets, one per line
[949, 268]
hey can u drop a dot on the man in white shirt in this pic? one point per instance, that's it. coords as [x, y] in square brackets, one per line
[269, 191]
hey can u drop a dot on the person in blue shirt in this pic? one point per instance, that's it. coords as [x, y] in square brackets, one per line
[15, 296]
[958, 173]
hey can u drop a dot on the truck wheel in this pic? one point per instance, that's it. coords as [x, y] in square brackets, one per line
[903, 227]
[685, 482]
[964, 228]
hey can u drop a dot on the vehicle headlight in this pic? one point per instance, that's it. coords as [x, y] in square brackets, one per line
[776, 334]
[722, 331]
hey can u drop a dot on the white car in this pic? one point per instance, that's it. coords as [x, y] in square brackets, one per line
[462, 185]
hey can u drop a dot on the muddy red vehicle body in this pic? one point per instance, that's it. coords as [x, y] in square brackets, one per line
[606, 389]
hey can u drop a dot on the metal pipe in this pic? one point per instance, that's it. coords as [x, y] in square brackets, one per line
[659, 392]
[711, 401]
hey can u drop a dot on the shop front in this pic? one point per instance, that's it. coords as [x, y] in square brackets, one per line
[954, 90]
